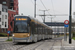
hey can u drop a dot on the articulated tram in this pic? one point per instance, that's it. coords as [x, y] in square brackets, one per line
[28, 29]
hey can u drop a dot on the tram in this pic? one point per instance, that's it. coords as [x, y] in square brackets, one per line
[28, 29]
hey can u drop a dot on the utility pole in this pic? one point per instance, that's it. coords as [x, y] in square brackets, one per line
[44, 14]
[35, 9]
[51, 19]
[70, 14]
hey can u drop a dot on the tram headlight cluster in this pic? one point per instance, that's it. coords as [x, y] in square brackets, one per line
[28, 34]
[13, 35]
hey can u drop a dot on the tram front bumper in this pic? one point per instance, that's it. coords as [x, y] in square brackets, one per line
[26, 39]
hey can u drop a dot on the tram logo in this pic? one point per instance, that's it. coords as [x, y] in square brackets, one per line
[21, 19]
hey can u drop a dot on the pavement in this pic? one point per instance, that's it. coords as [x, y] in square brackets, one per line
[4, 38]
[67, 46]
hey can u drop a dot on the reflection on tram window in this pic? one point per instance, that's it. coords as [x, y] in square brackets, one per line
[21, 26]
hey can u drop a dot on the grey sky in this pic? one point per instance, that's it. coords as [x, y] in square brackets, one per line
[59, 7]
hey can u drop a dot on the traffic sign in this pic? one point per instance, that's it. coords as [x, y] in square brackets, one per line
[65, 25]
[66, 22]
[8, 32]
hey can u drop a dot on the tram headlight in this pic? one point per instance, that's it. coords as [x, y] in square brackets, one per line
[13, 35]
[28, 34]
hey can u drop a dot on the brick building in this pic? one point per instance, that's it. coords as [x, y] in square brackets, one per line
[10, 19]
[12, 10]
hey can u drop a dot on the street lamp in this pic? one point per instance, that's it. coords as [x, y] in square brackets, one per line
[70, 13]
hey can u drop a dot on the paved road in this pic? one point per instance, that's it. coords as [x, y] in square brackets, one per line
[41, 45]
[3, 39]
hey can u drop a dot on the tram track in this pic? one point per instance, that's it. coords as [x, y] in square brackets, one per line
[55, 41]
[32, 48]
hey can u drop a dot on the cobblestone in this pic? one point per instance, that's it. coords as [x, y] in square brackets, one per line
[9, 46]
[52, 44]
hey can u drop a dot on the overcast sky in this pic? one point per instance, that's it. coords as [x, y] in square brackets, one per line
[55, 7]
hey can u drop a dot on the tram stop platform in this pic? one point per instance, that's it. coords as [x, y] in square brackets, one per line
[67, 46]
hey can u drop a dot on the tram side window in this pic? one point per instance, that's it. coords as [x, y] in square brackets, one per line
[51, 32]
[38, 29]
[43, 30]
[31, 27]
[34, 28]
[48, 32]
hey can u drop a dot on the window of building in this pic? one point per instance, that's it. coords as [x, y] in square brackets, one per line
[0, 19]
[2, 30]
[5, 16]
[17, 8]
[5, 24]
[11, 8]
[2, 23]
[16, 13]
[0, 26]
[8, 14]
[0, 12]
[4, 2]
[12, 15]
[4, 10]
[11, 4]
[5, 30]
[11, 0]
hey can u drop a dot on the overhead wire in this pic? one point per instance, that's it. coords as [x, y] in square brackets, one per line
[36, 4]
[37, 7]
[53, 7]
[45, 7]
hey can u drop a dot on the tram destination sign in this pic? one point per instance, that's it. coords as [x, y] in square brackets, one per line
[21, 19]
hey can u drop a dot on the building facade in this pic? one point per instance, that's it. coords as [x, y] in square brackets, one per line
[11, 4]
[12, 10]
[10, 19]
[5, 2]
[3, 18]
